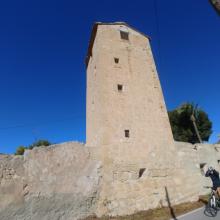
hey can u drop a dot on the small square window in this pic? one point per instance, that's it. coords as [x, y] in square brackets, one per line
[116, 60]
[120, 87]
[127, 133]
[124, 35]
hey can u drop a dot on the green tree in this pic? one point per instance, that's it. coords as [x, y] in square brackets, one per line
[20, 150]
[182, 124]
[39, 143]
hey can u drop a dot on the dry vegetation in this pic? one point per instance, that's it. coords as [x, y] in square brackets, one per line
[160, 213]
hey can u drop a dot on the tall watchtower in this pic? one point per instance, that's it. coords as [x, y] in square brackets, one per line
[125, 104]
[127, 128]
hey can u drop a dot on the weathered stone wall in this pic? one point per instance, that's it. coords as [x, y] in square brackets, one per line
[131, 183]
[190, 158]
[71, 181]
[57, 182]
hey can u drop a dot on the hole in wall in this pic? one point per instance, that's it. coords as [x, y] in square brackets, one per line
[127, 133]
[116, 60]
[195, 147]
[201, 166]
[120, 87]
[141, 172]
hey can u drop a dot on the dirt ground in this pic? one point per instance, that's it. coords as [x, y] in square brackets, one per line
[165, 213]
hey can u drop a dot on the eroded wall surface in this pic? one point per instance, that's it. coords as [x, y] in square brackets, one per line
[131, 183]
[71, 181]
[57, 182]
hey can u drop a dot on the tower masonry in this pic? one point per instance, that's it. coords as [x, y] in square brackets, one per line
[127, 122]
[125, 103]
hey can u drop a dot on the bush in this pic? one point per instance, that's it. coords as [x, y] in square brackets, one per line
[39, 143]
[21, 149]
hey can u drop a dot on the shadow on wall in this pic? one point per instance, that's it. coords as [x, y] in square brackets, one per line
[169, 204]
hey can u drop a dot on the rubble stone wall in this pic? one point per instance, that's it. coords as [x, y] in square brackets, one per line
[71, 181]
[56, 182]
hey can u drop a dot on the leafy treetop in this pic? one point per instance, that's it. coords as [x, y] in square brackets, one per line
[182, 125]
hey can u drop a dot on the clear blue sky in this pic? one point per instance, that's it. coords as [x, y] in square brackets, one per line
[43, 45]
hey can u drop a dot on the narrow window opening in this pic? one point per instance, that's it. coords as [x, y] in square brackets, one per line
[124, 35]
[116, 60]
[141, 172]
[219, 162]
[127, 133]
[120, 87]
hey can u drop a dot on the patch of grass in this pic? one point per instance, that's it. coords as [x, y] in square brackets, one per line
[165, 213]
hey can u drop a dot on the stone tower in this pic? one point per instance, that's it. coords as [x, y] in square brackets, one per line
[124, 97]
[127, 123]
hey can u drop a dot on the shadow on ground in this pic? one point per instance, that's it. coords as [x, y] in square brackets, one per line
[172, 213]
